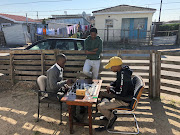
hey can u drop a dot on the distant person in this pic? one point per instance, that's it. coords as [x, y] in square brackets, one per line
[55, 77]
[93, 49]
[119, 93]
[44, 30]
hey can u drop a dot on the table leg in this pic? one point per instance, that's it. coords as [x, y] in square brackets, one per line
[70, 119]
[90, 119]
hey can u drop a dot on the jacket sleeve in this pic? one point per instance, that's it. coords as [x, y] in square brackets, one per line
[53, 81]
[99, 51]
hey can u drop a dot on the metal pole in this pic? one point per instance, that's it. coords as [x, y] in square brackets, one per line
[160, 11]
[37, 15]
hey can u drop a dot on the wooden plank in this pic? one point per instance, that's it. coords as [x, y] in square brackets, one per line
[49, 57]
[26, 51]
[158, 73]
[73, 57]
[28, 72]
[134, 58]
[171, 53]
[49, 62]
[170, 69]
[135, 51]
[27, 57]
[70, 74]
[170, 92]
[4, 66]
[5, 51]
[5, 71]
[170, 62]
[4, 62]
[110, 52]
[73, 69]
[170, 85]
[27, 67]
[75, 63]
[4, 57]
[27, 62]
[12, 68]
[170, 78]
[42, 64]
[34, 78]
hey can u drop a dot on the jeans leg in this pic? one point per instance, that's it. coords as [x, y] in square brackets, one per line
[95, 70]
[86, 68]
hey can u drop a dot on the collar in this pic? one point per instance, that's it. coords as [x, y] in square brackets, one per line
[60, 68]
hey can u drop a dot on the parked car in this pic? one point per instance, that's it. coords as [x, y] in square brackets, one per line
[58, 43]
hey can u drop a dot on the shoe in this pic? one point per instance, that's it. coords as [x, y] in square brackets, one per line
[112, 121]
[103, 118]
[100, 128]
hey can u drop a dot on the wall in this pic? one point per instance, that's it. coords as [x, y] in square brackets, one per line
[15, 34]
[117, 21]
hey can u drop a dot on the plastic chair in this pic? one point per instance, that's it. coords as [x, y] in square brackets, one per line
[43, 95]
[139, 86]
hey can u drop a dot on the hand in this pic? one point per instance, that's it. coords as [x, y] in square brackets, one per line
[69, 81]
[108, 89]
[95, 50]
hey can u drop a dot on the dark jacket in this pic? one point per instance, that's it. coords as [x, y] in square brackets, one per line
[90, 45]
[126, 93]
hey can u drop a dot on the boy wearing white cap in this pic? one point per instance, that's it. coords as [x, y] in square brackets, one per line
[119, 93]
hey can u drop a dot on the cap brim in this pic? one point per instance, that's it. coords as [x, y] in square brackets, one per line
[107, 66]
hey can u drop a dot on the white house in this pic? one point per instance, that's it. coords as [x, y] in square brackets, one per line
[123, 21]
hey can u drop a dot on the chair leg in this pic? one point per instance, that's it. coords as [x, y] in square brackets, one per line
[60, 113]
[38, 111]
[121, 132]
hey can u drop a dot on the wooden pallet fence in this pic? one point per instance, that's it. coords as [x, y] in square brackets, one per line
[170, 76]
[25, 65]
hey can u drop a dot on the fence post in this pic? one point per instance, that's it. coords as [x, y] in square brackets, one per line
[42, 63]
[12, 68]
[155, 75]
[151, 74]
[158, 73]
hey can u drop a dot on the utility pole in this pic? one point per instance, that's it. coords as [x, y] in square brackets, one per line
[26, 19]
[37, 15]
[160, 11]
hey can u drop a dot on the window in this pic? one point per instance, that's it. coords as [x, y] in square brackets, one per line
[79, 45]
[65, 45]
[46, 45]
[109, 23]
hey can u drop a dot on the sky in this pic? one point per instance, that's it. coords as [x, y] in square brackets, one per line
[46, 8]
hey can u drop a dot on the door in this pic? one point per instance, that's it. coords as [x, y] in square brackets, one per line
[125, 28]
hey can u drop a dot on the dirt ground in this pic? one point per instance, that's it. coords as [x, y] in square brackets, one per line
[18, 113]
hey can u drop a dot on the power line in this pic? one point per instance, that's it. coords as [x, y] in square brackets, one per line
[33, 2]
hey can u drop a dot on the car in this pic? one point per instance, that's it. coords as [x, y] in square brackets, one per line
[58, 43]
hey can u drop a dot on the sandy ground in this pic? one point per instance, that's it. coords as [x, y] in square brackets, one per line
[18, 113]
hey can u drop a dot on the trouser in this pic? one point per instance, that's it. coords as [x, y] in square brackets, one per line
[94, 64]
[106, 105]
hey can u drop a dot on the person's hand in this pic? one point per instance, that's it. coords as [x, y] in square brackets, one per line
[95, 50]
[69, 81]
[108, 89]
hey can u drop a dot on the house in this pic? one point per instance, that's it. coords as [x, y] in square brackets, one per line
[17, 30]
[123, 21]
[68, 19]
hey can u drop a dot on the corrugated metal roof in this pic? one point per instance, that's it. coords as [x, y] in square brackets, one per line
[16, 18]
[123, 8]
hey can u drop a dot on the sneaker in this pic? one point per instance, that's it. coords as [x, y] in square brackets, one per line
[103, 118]
[112, 121]
[100, 128]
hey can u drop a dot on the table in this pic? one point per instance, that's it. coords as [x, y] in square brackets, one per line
[71, 99]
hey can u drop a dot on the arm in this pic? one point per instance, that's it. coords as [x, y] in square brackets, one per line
[53, 81]
[99, 49]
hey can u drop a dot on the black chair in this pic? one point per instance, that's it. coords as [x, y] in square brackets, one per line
[139, 86]
[43, 95]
